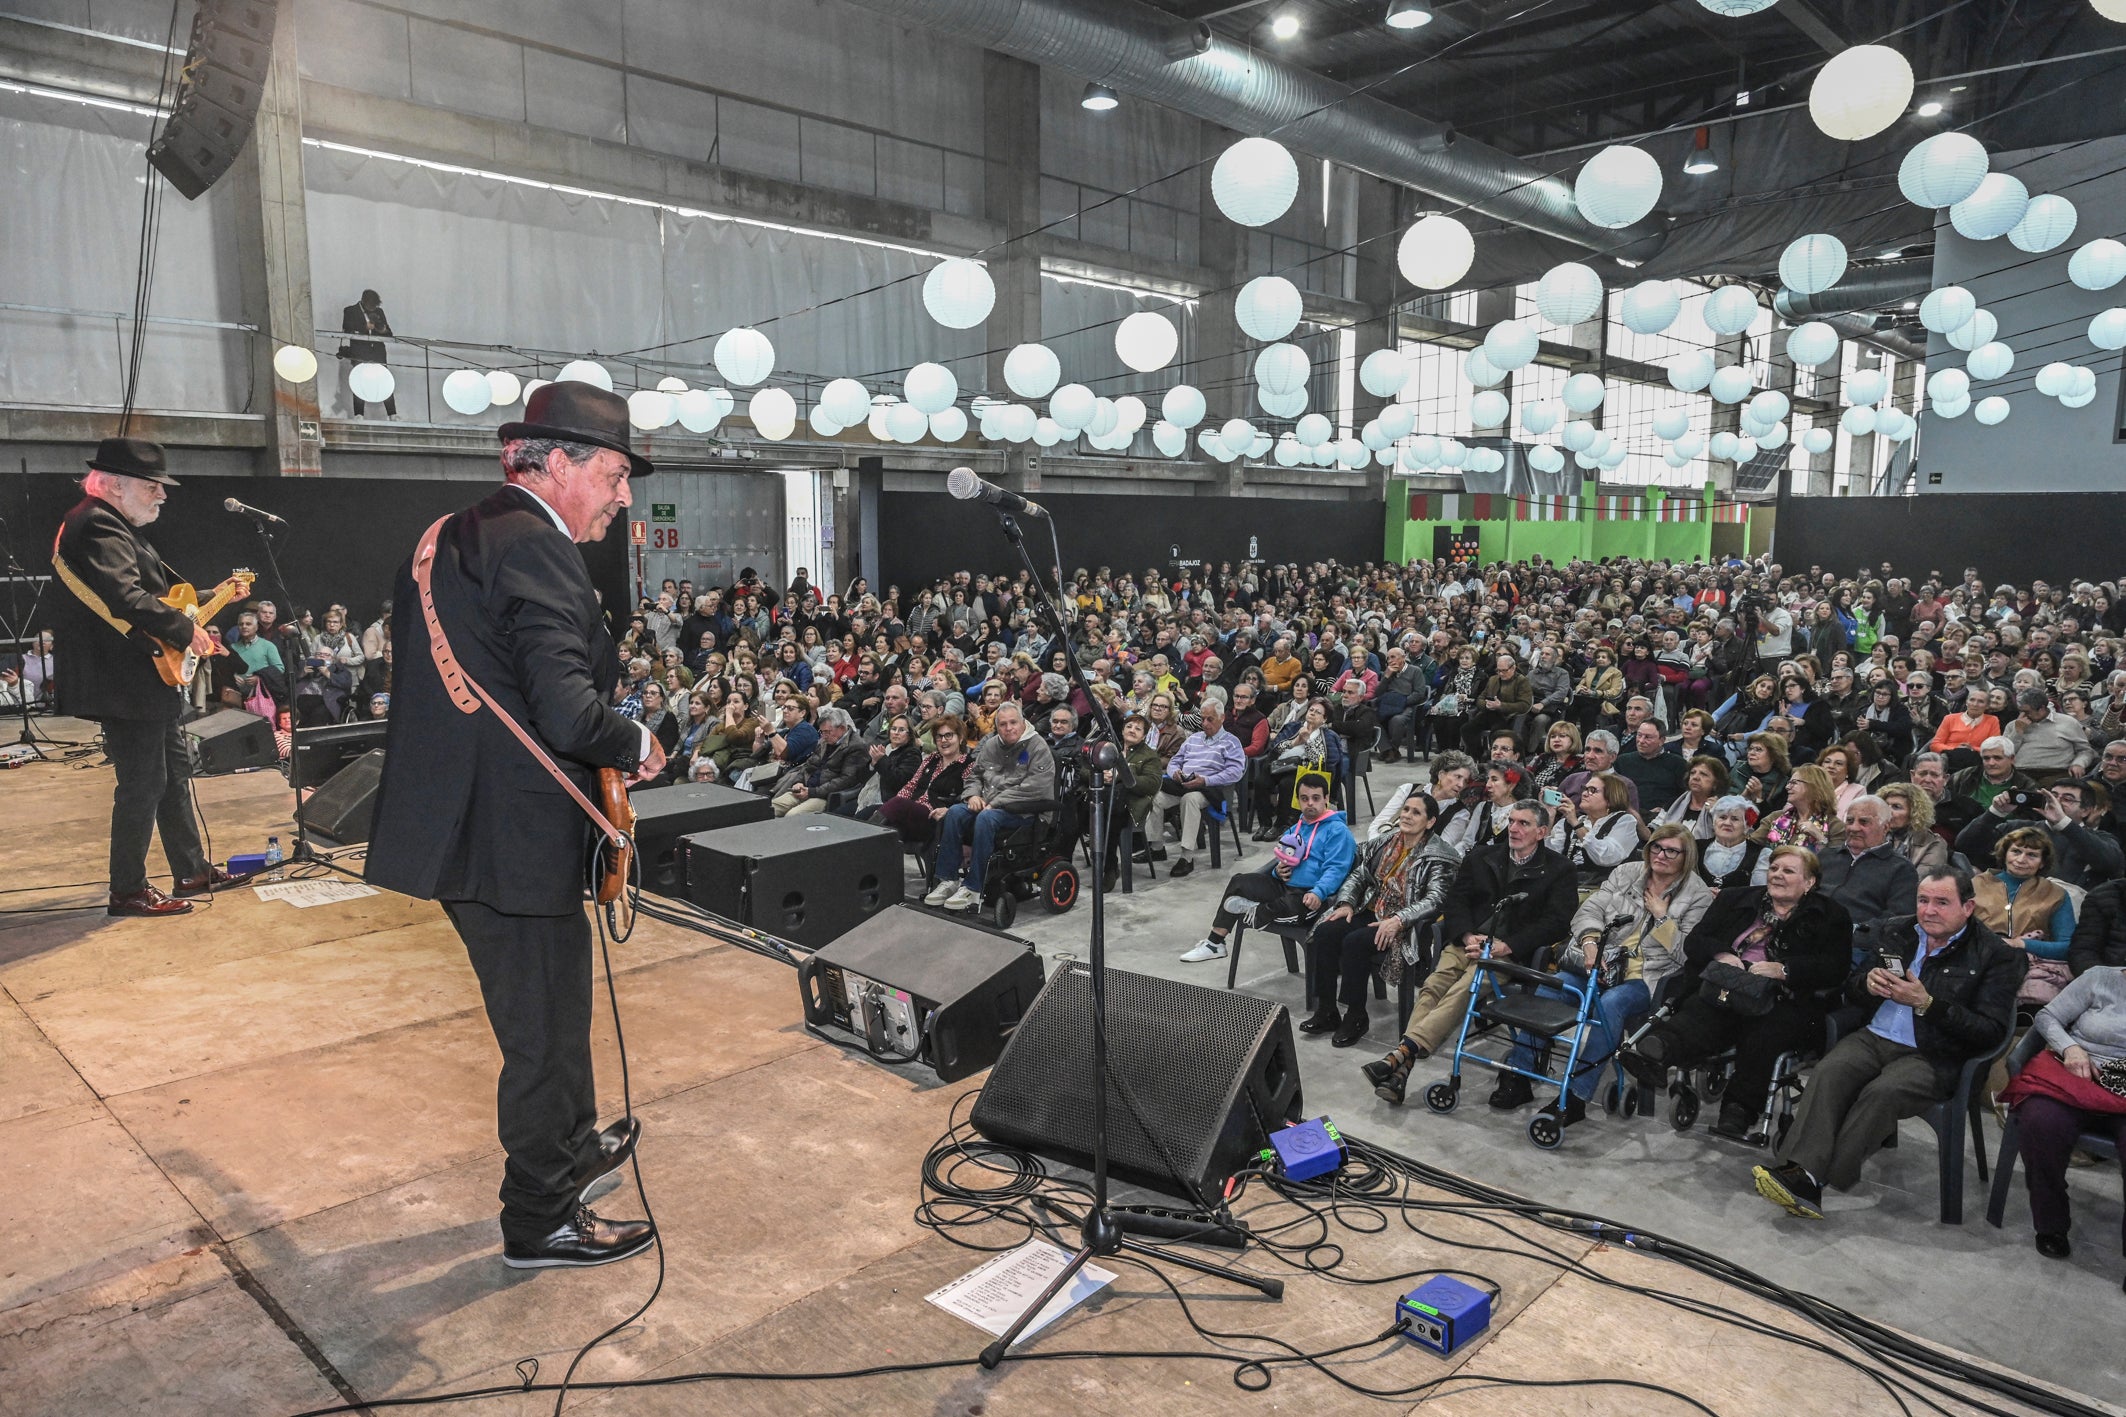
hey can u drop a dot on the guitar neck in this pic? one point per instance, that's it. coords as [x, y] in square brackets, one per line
[219, 601]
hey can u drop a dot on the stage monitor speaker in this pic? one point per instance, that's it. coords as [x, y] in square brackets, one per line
[229, 740]
[321, 753]
[226, 63]
[808, 879]
[665, 814]
[913, 986]
[1197, 1079]
[340, 812]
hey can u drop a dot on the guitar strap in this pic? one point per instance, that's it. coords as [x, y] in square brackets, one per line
[465, 691]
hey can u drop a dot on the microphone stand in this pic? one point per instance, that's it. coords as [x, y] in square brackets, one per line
[1102, 1232]
[19, 630]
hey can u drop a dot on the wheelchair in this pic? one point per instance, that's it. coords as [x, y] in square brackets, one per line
[1690, 1088]
[1505, 996]
[1037, 861]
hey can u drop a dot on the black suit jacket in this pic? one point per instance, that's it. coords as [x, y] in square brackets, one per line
[107, 571]
[354, 320]
[464, 811]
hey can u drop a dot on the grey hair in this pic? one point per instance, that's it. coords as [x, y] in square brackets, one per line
[1602, 737]
[931, 696]
[1935, 758]
[1870, 801]
[1529, 807]
[526, 457]
[1999, 742]
[835, 716]
[2032, 698]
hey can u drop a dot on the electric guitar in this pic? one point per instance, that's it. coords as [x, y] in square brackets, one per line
[178, 663]
[615, 861]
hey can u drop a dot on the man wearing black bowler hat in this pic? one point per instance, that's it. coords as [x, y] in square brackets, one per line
[466, 815]
[108, 624]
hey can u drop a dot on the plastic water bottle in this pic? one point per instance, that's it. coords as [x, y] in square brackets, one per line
[273, 858]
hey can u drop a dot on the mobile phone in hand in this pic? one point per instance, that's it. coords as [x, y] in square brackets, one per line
[1891, 964]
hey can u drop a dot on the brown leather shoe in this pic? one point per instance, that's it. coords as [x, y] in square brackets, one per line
[205, 882]
[147, 901]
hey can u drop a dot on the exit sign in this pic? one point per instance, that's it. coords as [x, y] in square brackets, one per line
[664, 511]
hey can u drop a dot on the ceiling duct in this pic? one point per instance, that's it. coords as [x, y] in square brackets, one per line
[1864, 288]
[1150, 55]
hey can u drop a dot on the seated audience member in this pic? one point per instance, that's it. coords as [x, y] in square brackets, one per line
[2082, 854]
[1135, 804]
[1598, 754]
[1763, 771]
[2075, 1087]
[1943, 989]
[1887, 721]
[1657, 773]
[2099, 930]
[1353, 717]
[1627, 937]
[1507, 695]
[2048, 745]
[1869, 877]
[1011, 775]
[1305, 743]
[1705, 781]
[1484, 823]
[1994, 774]
[1598, 831]
[839, 764]
[895, 758]
[1731, 857]
[1207, 760]
[658, 718]
[1930, 774]
[1511, 899]
[1310, 863]
[1247, 721]
[1785, 932]
[1391, 895]
[2029, 909]
[1400, 702]
[919, 804]
[1912, 826]
[1810, 817]
[1559, 759]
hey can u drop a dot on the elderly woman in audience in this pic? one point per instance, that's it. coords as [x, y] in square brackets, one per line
[1841, 763]
[1730, 856]
[1912, 826]
[1597, 831]
[1762, 772]
[1395, 890]
[2028, 909]
[920, 803]
[1705, 783]
[1810, 817]
[2075, 1087]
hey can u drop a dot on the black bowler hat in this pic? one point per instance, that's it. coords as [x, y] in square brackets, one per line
[133, 457]
[577, 412]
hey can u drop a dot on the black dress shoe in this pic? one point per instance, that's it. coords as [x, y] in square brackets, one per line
[583, 1241]
[1324, 1019]
[1354, 1028]
[1513, 1091]
[2054, 1247]
[1735, 1123]
[1181, 867]
[147, 901]
[206, 881]
[615, 1145]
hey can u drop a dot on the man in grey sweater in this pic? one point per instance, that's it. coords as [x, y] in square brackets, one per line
[1012, 773]
[2048, 745]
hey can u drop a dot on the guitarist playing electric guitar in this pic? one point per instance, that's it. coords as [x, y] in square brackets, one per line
[111, 626]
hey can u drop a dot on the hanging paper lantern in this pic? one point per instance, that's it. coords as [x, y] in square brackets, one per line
[1731, 384]
[846, 401]
[1947, 309]
[1169, 438]
[1510, 345]
[1860, 92]
[1397, 419]
[1992, 210]
[700, 411]
[1617, 186]
[1691, 444]
[2047, 223]
[743, 356]
[1146, 341]
[1282, 369]
[1750, 424]
[1731, 310]
[1480, 371]
[1425, 448]
[1268, 307]
[1435, 252]
[1489, 409]
[1546, 459]
[1990, 361]
[1735, 8]
[905, 423]
[1858, 421]
[1602, 441]
[1032, 371]
[1352, 453]
[1651, 306]
[1584, 393]
[2108, 329]
[1281, 405]
[647, 409]
[2079, 399]
[671, 384]
[1452, 453]
[931, 388]
[1944, 385]
[2098, 264]
[2084, 382]
[1671, 423]
[1942, 170]
[958, 293]
[2055, 378]
[1979, 329]
[1568, 294]
[1745, 449]
[1045, 433]
[1209, 444]
[1183, 406]
[824, 426]
[502, 388]
[1817, 441]
[1384, 373]
[371, 383]
[1991, 411]
[1770, 406]
[1865, 386]
[1016, 422]
[1951, 408]
[1577, 435]
[466, 391]
[1723, 446]
[1105, 417]
[1690, 373]
[1811, 264]
[1130, 413]
[1073, 407]
[774, 414]
[1772, 437]
[1254, 181]
[1812, 344]
[590, 371]
[1288, 452]
[1312, 431]
[295, 363]
[1539, 416]
[1675, 459]
[1410, 460]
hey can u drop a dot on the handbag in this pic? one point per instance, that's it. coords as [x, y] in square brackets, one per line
[261, 702]
[1730, 987]
[1447, 706]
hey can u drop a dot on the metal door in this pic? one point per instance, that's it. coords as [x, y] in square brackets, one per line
[706, 526]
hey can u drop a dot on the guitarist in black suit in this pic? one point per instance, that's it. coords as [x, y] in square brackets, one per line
[465, 814]
[114, 583]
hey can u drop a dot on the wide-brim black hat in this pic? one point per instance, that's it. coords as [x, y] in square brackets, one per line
[133, 457]
[577, 412]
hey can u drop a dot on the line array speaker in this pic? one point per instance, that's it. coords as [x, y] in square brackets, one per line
[226, 62]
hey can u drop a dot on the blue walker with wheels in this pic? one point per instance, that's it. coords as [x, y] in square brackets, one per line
[1511, 996]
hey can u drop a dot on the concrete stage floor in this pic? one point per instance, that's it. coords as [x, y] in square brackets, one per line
[253, 1159]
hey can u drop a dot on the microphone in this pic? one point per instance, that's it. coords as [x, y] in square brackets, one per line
[963, 484]
[262, 518]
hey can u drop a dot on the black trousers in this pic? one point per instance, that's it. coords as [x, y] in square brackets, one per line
[1340, 959]
[535, 976]
[154, 790]
[1699, 1029]
[1252, 885]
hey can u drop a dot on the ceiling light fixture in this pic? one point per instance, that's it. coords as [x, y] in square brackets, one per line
[1699, 159]
[1285, 25]
[1408, 15]
[1930, 109]
[1895, 253]
[1099, 98]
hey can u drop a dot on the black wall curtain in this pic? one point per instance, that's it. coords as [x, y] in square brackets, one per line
[346, 536]
[2010, 537]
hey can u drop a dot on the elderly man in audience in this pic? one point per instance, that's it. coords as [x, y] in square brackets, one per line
[2071, 814]
[1997, 772]
[1012, 774]
[1866, 874]
[840, 763]
[1598, 755]
[2048, 745]
[1206, 761]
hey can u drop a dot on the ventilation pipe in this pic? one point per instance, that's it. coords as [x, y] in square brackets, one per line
[1867, 288]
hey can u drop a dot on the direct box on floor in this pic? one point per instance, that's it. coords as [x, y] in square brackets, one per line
[805, 878]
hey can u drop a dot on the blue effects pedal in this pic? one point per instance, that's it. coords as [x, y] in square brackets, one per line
[1300, 1153]
[1443, 1313]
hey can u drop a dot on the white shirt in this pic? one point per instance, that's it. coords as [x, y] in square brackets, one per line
[649, 739]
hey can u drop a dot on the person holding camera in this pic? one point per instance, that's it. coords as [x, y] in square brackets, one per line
[2070, 814]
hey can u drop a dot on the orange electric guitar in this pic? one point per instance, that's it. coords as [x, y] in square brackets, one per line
[615, 858]
[178, 663]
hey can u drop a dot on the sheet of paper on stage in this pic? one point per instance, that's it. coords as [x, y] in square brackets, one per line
[304, 894]
[996, 1292]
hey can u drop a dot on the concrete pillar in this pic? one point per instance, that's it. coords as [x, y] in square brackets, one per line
[1011, 197]
[1222, 364]
[1378, 289]
[273, 252]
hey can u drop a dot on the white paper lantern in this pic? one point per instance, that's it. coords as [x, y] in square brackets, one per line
[700, 412]
[1735, 8]
[1896, 425]
[1510, 345]
[1731, 310]
[1651, 306]
[1602, 441]
[1409, 459]
[1384, 373]
[1212, 446]
[1183, 406]
[1373, 436]
[875, 421]
[905, 423]
[371, 383]
[1675, 459]
[1452, 453]
[1990, 361]
[1617, 186]
[586, 371]
[1568, 294]
[1073, 407]
[2055, 378]
[1749, 423]
[1671, 423]
[2084, 382]
[2108, 329]
[1268, 308]
[295, 363]
[1723, 446]
[774, 414]
[958, 293]
[1016, 422]
[743, 356]
[1812, 344]
[1130, 413]
[1494, 460]
[1770, 406]
[1146, 341]
[1991, 411]
[1860, 92]
[1287, 452]
[1045, 433]
[1545, 458]
[1398, 419]
[1313, 430]
[1425, 448]
[1584, 393]
[824, 426]
[1944, 385]
[1942, 170]
[1577, 435]
[2080, 399]
[649, 409]
[1865, 386]
[466, 391]
[1254, 181]
[671, 384]
[2047, 223]
[1691, 444]
[1745, 450]
[502, 388]
[1435, 252]
[1104, 420]
[1031, 371]
[1816, 441]
[931, 388]
[1992, 210]
[1281, 405]
[1690, 373]
[1480, 371]
[1813, 263]
[1858, 421]
[1979, 329]
[846, 401]
[2098, 264]
[1947, 309]
[1489, 409]
[1539, 416]
[1951, 408]
[1352, 453]
[1282, 369]
[1731, 384]
[1169, 438]
[1773, 437]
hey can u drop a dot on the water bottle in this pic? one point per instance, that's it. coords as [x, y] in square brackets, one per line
[273, 858]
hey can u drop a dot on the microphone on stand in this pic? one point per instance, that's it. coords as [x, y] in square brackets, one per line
[263, 518]
[963, 484]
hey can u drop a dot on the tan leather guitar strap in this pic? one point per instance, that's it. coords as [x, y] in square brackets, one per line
[465, 691]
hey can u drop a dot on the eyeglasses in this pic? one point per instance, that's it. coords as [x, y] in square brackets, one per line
[1664, 851]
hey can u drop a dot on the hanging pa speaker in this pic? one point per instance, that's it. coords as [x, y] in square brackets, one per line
[224, 78]
[1197, 1079]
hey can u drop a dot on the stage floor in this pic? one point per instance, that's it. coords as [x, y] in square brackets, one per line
[254, 1164]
